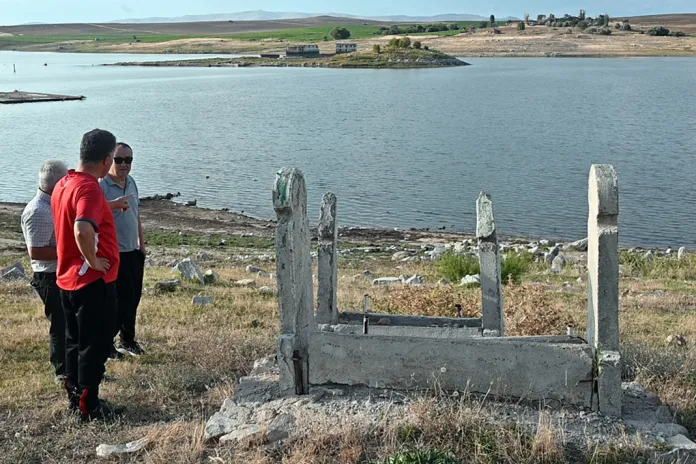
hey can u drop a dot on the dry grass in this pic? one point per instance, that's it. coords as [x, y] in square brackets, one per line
[196, 354]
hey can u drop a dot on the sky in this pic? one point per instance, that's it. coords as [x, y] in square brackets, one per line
[55, 11]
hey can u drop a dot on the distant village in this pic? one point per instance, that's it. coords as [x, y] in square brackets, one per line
[312, 50]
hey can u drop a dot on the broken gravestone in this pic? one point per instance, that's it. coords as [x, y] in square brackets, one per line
[14, 272]
[169, 285]
[189, 270]
[200, 300]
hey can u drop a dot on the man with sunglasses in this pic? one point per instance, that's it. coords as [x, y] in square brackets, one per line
[121, 192]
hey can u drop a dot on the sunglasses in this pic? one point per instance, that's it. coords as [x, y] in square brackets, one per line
[128, 160]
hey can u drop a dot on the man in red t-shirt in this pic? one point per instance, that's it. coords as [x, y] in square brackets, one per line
[88, 259]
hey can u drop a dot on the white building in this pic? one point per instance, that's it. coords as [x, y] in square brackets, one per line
[302, 50]
[346, 47]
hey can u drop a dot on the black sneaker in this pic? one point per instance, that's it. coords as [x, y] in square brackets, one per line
[103, 411]
[115, 355]
[132, 348]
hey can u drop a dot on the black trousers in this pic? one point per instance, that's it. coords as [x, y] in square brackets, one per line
[45, 285]
[129, 289]
[90, 316]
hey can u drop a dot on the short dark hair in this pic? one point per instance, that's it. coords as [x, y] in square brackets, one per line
[124, 145]
[96, 145]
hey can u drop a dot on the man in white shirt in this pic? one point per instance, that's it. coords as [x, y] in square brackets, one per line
[40, 237]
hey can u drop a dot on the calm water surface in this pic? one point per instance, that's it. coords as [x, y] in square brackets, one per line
[406, 148]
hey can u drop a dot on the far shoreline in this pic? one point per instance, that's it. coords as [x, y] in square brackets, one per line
[161, 215]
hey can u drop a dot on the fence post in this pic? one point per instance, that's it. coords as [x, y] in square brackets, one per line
[493, 317]
[603, 285]
[295, 286]
[327, 294]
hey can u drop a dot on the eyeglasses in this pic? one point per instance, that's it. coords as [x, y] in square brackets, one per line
[128, 160]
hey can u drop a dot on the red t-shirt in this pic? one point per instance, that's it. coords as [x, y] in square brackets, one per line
[78, 197]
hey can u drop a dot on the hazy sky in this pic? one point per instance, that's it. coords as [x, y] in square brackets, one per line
[55, 11]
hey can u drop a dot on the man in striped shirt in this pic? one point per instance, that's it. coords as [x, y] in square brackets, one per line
[40, 237]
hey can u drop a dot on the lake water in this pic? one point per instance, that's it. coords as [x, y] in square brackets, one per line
[402, 148]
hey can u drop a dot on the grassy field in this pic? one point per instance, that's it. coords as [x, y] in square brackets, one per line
[306, 34]
[196, 354]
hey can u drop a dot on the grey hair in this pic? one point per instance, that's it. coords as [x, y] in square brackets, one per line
[51, 172]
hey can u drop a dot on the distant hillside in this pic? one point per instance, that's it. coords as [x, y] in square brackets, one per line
[261, 15]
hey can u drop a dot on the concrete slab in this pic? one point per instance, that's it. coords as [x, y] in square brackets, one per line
[416, 321]
[516, 369]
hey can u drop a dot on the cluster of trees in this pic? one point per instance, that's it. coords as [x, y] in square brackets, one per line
[403, 43]
[340, 33]
[417, 29]
[581, 20]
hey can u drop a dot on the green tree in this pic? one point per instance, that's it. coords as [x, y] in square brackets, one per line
[376, 49]
[526, 17]
[492, 20]
[483, 24]
[340, 33]
[417, 45]
[583, 14]
[606, 20]
[404, 42]
[541, 17]
[521, 26]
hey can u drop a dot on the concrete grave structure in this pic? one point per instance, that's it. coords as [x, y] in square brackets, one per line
[464, 354]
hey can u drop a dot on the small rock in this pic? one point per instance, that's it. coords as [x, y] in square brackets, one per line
[254, 269]
[399, 255]
[581, 280]
[547, 243]
[191, 203]
[210, 277]
[265, 416]
[558, 264]
[264, 275]
[105, 451]
[220, 425]
[246, 432]
[555, 251]
[189, 270]
[367, 273]
[548, 258]
[169, 285]
[200, 300]
[203, 256]
[676, 340]
[266, 291]
[416, 280]
[387, 281]
[649, 256]
[14, 272]
[680, 442]
[670, 430]
[681, 254]
[580, 245]
[280, 428]
[444, 282]
[264, 365]
[384, 321]
[471, 280]
[244, 283]
[663, 415]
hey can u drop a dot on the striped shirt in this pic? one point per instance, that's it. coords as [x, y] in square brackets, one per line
[38, 229]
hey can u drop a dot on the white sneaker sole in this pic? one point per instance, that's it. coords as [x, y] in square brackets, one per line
[125, 351]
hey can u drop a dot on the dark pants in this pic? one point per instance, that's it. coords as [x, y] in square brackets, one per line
[129, 289]
[45, 285]
[90, 316]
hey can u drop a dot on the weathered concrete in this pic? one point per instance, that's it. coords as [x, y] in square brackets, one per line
[608, 377]
[515, 369]
[603, 284]
[489, 258]
[408, 331]
[327, 293]
[603, 258]
[349, 317]
[295, 284]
